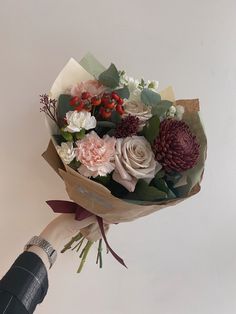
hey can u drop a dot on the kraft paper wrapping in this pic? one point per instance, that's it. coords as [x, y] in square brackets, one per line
[95, 197]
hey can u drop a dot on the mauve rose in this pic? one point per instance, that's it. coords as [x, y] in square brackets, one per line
[96, 155]
[134, 160]
[92, 86]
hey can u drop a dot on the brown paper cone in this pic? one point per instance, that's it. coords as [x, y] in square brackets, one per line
[97, 199]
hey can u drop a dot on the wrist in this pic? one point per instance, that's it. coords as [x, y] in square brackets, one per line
[40, 252]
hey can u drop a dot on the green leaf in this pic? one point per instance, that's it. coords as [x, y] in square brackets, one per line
[111, 132]
[104, 180]
[106, 124]
[173, 177]
[67, 135]
[80, 135]
[151, 129]
[161, 108]
[75, 164]
[58, 138]
[144, 192]
[110, 77]
[123, 92]
[63, 106]
[115, 117]
[160, 174]
[149, 97]
[160, 184]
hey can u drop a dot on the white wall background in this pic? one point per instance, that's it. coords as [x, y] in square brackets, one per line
[181, 260]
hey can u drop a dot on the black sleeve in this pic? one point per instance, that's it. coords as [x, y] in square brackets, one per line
[24, 285]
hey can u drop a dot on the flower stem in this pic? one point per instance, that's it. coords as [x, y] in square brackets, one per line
[84, 255]
[78, 245]
[69, 244]
[99, 255]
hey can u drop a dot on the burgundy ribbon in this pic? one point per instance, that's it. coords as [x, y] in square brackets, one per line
[66, 207]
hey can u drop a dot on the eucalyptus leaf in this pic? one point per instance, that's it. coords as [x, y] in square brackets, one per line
[110, 77]
[161, 108]
[106, 124]
[111, 132]
[115, 117]
[151, 129]
[63, 106]
[149, 97]
[123, 92]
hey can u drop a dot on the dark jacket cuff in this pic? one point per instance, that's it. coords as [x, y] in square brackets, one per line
[27, 280]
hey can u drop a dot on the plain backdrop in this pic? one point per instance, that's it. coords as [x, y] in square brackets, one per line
[182, 260]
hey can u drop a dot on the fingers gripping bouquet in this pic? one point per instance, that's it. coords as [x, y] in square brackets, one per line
[123, 149]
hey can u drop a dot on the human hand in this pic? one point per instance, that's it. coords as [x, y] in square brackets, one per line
[58, 230]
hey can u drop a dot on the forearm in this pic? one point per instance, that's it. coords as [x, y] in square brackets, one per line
[24, 286]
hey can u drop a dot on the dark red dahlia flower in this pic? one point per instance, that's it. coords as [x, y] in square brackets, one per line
[176, 148]
[128, 126]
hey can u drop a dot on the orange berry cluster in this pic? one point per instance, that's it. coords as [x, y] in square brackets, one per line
[107, 102]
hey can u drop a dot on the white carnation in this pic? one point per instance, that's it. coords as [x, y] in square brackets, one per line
[79, 120]
[66, 152]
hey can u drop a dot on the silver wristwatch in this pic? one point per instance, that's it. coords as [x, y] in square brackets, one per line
[45, 246]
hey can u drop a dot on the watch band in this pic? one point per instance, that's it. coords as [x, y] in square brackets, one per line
[45, 246]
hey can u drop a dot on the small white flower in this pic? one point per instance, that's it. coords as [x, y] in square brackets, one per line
[66, 152]
[79, 120]
[132, 84]
[153, 85]
[179, 112]
[171, 112]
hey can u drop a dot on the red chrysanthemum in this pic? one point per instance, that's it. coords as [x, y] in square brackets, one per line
[176, 148]
[128, 126]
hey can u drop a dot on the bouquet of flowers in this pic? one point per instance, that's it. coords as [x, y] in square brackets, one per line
[123, 149]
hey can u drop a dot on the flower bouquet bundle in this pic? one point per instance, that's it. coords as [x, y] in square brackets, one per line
[123, 149]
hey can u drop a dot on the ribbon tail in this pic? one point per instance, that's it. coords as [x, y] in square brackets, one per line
[117, 257]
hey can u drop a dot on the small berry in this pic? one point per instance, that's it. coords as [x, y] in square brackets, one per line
[74, 101]
[80, 106]
[110, 105]
[120, 101]
[120, 109]
[115, 96]
[96, 101]
[104, 113]
[85, 95]
[105, 100]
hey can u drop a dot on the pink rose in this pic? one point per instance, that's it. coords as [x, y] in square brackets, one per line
[92, 86]
[96, 155]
